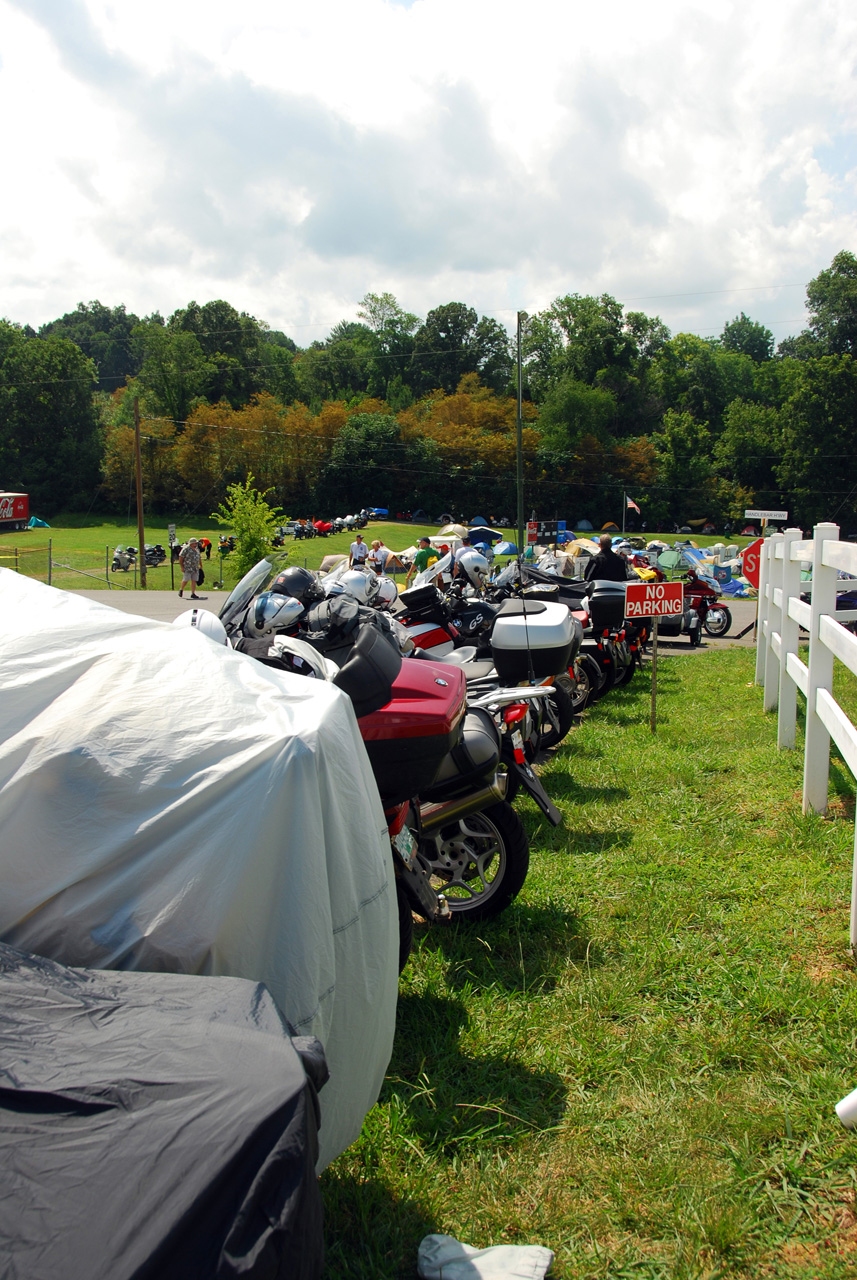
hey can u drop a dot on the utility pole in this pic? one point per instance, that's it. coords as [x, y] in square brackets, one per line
[141, 550]
[522, 318]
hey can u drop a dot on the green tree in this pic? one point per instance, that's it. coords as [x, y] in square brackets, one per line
[174, 371]
[50, 435]
[104, 335]
[684, 470]
[818, 467]
[252, 520]
[750, 447]
[832, 301]
[747, 337]
[454, 342]
[233, 345]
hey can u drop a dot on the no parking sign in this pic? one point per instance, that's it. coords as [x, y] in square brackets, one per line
[654, 600]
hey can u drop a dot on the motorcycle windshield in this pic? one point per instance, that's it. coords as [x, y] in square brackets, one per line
[253, 582]
[429, 575]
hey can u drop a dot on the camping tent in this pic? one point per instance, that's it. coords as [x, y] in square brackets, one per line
[477, 520]
[585, 525]
[482, 533]
[456, 530]
[505, 549]
[330, 562]
[241, 833]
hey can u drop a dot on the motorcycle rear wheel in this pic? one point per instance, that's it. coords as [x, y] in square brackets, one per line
[480, 862]
[718, 620]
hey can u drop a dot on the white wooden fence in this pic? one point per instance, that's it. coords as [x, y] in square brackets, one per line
[782, 673]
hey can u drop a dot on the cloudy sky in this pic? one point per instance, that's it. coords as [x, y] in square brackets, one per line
[695, 158]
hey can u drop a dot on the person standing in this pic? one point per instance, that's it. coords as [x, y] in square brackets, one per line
[359, 552]
[191, 563]
[378, 556]
[423, 556]
[465, 546]
[606, 566]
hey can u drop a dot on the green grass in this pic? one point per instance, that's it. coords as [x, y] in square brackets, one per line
[637, 1064]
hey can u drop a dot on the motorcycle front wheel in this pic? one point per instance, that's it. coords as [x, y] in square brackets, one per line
[406, 925]
[480, 862]
[718, 620]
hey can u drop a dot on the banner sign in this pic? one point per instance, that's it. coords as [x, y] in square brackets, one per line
[753, 514]
[654, 599]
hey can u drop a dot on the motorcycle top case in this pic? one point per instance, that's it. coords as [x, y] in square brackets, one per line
[418, 600]
[607, 605]
[408, 739]
[532, 632]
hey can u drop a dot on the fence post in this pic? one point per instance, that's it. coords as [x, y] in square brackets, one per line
[107, 566]
[787, 720]
[773, 584]
[50, 559]
[816, 763]
[762, 615]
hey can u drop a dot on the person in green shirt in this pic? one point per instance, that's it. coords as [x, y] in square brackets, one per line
[425, 555]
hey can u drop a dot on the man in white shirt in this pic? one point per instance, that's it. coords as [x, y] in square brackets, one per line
[359, 552]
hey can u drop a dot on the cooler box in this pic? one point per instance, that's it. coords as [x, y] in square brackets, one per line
[531, 632]
[408, 740]
[607, 606]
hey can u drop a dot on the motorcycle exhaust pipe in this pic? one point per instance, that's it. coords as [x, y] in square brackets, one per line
[434, 816]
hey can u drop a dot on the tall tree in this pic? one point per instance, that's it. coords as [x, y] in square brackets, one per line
[175, 371]
[104, 336]
[232, 343]
[50, 435]
[747, 337]
[453, 342]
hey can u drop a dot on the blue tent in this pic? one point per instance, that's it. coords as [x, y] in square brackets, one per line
[478, 520]
[481, 533]
[505, 549]
[35, 523]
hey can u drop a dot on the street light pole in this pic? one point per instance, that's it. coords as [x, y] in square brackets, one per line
[522, 317]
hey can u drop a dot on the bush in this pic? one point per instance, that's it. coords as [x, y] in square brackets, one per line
[251, 520]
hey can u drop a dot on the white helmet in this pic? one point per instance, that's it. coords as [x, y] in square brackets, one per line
[362, 587]
[475, 567]
[388, 593]
[269, 613]
[206, 622]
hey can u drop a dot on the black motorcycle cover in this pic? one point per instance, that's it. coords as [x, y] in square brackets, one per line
[155, 1126]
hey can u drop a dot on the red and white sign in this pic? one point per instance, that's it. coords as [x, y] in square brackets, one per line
[750, 560]
[654, 599]
[532, 533]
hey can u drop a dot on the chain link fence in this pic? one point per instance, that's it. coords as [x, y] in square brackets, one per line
[35, 562]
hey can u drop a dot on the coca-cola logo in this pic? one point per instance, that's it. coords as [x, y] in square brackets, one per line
[7, 507]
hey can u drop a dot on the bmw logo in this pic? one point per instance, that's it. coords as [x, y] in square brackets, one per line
[443, 682]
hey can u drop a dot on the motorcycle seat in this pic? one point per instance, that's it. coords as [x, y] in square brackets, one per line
[519, 608]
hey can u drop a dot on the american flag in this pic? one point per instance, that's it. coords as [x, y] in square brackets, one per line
[631, 505]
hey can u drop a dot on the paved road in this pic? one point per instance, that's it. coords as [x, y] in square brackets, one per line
[166, 605]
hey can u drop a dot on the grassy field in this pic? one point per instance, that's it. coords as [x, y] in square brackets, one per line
[637, 1064]
[82, 549]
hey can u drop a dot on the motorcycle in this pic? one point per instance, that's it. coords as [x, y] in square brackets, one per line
[459, 849]
[543, 639]
[703, 595]
[124, 558]
[226, 544]
[155, 554]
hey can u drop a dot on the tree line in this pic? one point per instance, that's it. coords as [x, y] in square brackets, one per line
[404, 413]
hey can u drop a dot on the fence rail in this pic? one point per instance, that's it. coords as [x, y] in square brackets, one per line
[783, 673]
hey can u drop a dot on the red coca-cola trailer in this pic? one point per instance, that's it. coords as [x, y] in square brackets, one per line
[14, 511]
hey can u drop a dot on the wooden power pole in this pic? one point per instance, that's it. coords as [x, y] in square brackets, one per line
[141, 550]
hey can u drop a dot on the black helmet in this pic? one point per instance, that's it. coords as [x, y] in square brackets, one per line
[299, 583]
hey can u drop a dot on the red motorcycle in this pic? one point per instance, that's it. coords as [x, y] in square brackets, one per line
[701, 595]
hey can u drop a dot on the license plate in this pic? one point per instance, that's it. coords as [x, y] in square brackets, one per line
[406, 846]
[518, 740]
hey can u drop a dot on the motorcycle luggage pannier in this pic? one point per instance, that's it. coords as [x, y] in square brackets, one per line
[532, 632]
[408, 740]
[607, 605]
[474, 757]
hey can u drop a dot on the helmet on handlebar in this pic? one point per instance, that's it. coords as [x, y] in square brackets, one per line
[475, 567]
[297, 582]
[269, 613]
[206, 622]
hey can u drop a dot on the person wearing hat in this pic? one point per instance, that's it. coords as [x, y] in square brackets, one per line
[423, 557]
[191, 562]
[359, 552]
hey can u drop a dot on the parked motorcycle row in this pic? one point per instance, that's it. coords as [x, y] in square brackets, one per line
[125, 557]
[457, 692]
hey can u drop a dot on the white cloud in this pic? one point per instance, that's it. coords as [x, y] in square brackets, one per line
[452, 149]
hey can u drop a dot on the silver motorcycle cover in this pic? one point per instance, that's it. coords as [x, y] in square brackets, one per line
[167, 804]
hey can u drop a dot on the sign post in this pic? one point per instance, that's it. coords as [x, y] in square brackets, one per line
[171, 530]
[654, 600]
